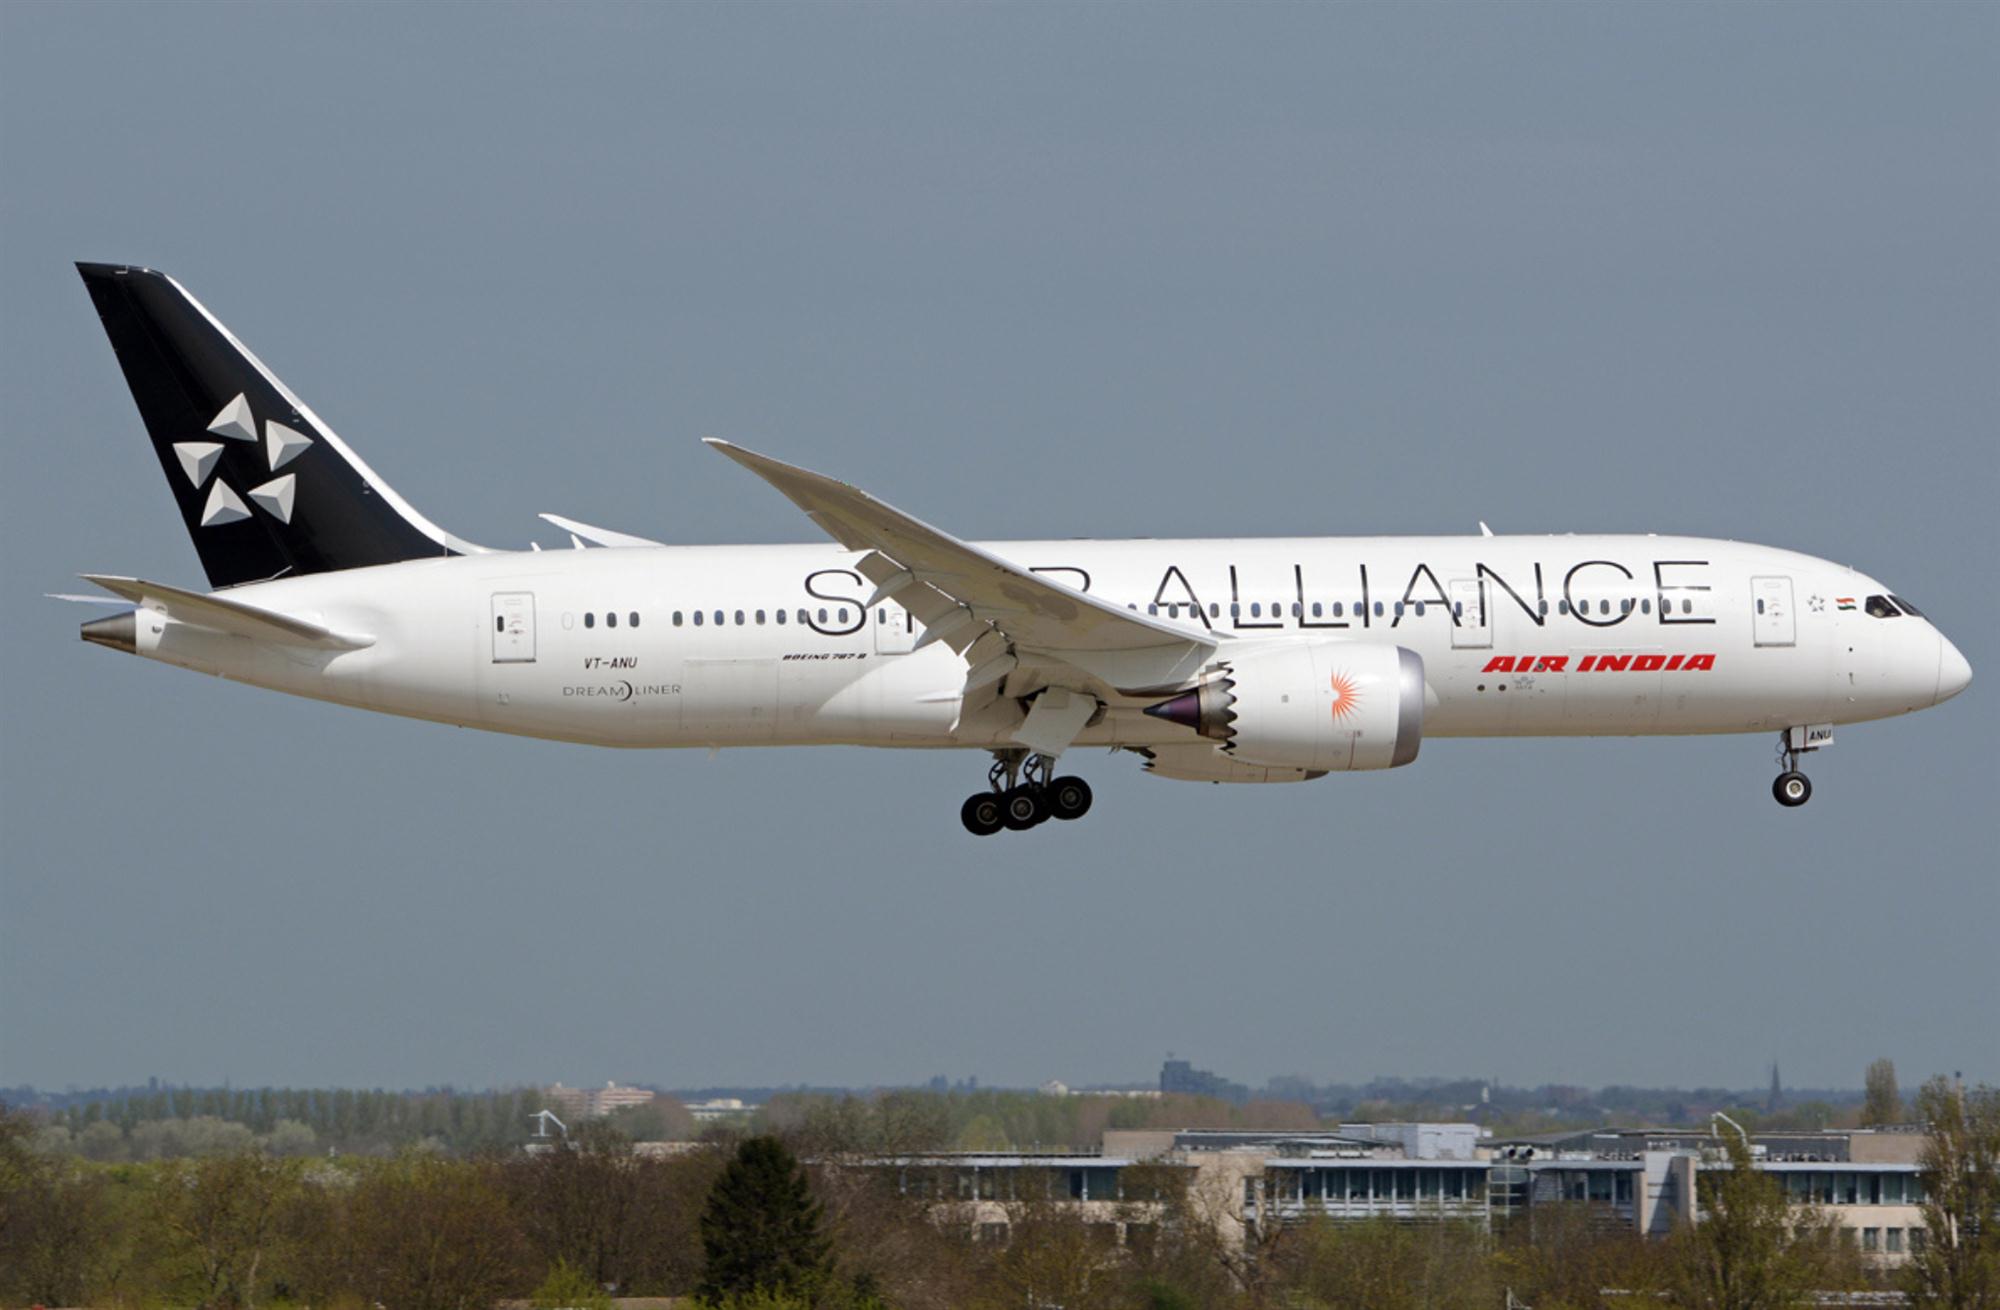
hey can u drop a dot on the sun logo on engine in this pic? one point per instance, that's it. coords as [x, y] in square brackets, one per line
[1346, 696]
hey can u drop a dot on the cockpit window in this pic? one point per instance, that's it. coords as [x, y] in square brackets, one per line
[1880, 608]
[1908, 608]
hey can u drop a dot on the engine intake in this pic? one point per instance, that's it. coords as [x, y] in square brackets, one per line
[1321, 705]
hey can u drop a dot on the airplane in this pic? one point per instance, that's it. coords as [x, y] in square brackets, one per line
[1238, 660]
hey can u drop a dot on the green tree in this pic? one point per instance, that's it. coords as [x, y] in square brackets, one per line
[1882, 1103]
[222, 1219]
[1749, 1249]
[1958, 1264]
[760, 1231]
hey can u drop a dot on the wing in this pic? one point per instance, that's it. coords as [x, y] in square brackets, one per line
[1009, 623]
[231, 616]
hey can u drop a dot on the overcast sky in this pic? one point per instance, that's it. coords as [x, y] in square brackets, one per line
[1034, 271]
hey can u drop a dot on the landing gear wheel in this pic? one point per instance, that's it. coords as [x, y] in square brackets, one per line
[1792, 788]
[1023, 807]
[1069, 798]
[982, 814]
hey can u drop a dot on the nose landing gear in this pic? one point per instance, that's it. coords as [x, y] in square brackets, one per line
[1792, 788]
[1022, 792]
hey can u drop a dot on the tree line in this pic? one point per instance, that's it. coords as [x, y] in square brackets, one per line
[798, 1219]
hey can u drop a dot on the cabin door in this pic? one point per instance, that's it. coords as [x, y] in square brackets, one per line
[1471, 624]
[1771, 617]
[513, 627]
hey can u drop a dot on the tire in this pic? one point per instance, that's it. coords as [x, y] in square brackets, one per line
[1069, 798]
[1792, 789]
[1023, 807]
[981, 814]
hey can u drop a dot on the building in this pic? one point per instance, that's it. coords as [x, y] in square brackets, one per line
[595, 1102]
[1180, 1077]
[1865, 1180]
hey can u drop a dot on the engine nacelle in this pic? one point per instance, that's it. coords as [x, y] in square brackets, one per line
[1310, 705]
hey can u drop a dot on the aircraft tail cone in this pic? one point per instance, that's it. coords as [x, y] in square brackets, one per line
[118, 631]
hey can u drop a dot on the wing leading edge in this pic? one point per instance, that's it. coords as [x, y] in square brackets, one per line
[1016, 629]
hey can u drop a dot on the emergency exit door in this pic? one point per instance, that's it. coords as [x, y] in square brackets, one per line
[1771, 616]
[514, 627]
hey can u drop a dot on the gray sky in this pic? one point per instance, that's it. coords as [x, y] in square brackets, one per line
[1025, 271]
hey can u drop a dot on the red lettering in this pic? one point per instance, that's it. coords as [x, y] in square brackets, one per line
[1612, 663]
[1675, 663]
[1649, 663]
[1551, 663]
[1698, 662]
[1499, 664]
[1588, 663]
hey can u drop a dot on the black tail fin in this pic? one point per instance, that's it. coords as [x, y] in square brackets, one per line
[265, 488]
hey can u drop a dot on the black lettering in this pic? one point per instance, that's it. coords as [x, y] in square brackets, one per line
[1236, 606]
[860, 615]
[1537, 611]
[1582, 611]
[1299, 577]
[1173, 574]
[1410, 594]
[1083, 575]
[1660, 582]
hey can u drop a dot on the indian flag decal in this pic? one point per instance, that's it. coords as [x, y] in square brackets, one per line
[1844, 602]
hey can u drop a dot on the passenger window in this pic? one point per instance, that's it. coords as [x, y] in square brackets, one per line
[1562, 607]
[1420, 609]
[822, 614]
[739, 618]
[1458, 609]
[841, 613]
[1604, 607]
[1542, 607]
[1336, 609]
[1256, 609]
[1295, 610]
[1760, 606]
[1908, 608]
[760, 618]
[677, 618]
[882, 617]
[1152, 609]
[1687, 605]
[718, 618]
[1214, 610]
[1378, 609]
[697, 618]
[633, 618]
[1625, 605]
[611, 619]
[1399, 609]
[802, 616]
[589, 619]
[1645, 607]
[1235, 610]
[499, 622]
[1315, 609]
[781, 618]
[1878, 607]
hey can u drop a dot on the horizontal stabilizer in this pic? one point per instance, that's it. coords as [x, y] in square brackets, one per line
[230, 616]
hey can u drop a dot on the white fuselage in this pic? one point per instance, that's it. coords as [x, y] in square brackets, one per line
[769, 645]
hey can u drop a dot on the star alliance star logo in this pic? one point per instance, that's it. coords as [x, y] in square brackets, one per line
[235, 422]
[1817, 604]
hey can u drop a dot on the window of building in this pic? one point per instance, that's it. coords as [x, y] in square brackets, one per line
[1918, 1240]
[1357, 1184]
[1871, 1239]
[1893, 1241]
[1406, 1184]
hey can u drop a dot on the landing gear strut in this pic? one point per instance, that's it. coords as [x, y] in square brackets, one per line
[1022, 791]
[1792, 788]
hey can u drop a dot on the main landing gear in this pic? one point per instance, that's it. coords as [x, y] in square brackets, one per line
[1792, 788]
[1022, 791]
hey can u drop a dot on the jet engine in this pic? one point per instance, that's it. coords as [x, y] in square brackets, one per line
[1311, 705]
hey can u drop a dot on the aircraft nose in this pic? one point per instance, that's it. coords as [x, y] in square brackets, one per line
[1954, 673]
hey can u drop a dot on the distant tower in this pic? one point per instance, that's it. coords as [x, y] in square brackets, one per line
[1777, 1096]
